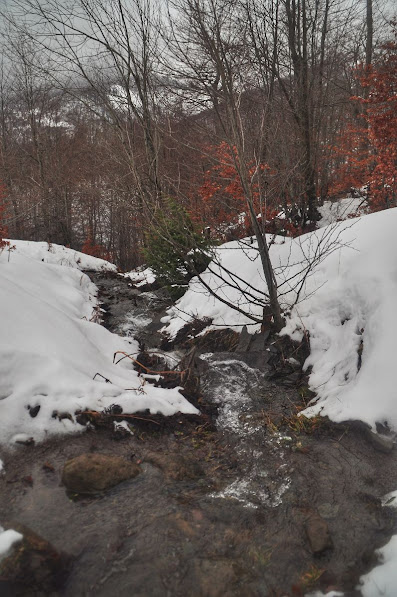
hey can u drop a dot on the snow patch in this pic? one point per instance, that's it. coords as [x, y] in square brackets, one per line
[335, 211]
[141, 277]
[7, 540]
[382, 580]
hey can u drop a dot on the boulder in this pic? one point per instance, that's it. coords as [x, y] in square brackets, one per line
[380, 442]
[92, 473]
[33, 565]
[318, 534]
[176, 467]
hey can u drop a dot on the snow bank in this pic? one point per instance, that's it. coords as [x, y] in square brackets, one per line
[335, 211]
[50, 351]
[382, 580]
[141, 277]
[59, 255]
[235, 256]
[347, 303]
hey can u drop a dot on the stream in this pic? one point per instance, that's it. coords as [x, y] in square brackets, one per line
[230, 506]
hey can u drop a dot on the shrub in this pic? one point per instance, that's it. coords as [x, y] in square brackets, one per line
[175, 248]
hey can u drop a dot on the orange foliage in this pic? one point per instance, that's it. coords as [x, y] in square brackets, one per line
[221, 193]
[222, 204]
[381, 115]
[369, 151]
[95, 250]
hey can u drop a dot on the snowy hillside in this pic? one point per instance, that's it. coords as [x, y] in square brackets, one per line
[347, 305]
[51, 349]
[334, 211]
[60, 255]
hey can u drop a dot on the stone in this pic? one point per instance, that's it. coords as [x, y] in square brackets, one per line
[382, 443]
[92, 473]
[34, 410]
[327, 510]
[244, 340]
[258, 342]
[176, 467]
[33, 566]
[318, 534]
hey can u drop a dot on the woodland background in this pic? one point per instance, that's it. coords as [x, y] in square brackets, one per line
[112, 113]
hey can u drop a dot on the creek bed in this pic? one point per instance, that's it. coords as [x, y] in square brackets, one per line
[218, 510]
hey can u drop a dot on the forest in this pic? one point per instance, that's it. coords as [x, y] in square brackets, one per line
[237, 116]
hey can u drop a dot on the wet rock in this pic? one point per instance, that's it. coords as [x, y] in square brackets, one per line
[33, 567]
[382, 443]
[176, 467]
[258, 343]
[186, 334]
[244, 340]
[318, 534]
[92, 473]
[328, 510]
[216, 574]
[34, 410]
[292, 379]
[225, 340]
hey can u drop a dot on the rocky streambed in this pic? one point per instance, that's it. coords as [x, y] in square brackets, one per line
[246, 500]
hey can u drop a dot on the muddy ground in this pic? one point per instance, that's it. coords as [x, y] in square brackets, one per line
[246, 500]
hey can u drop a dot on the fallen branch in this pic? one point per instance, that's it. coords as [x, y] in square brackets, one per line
[101, 415]
[147, 369]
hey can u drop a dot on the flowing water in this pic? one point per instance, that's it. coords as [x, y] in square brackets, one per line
[216, 511]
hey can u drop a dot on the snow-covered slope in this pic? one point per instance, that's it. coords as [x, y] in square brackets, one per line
[60, 255]
[348, 305]
[50, 351]
[335, 211]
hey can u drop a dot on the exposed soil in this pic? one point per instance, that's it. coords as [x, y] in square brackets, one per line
[247, 500]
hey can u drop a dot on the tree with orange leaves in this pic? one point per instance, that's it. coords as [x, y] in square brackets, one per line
[91, 248]
[224, 203]
[222, 193]
[381, 116]
[368, 151]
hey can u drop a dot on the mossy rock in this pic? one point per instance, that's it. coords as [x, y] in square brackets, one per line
[93, 473]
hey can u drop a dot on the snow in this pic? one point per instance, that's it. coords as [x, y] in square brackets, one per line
[141, 277]
[347, 304]
[59, 255]
[390, 499]
[53, 356]
[382, 580]
[334, 211]
[196, 302]
[7, 540]
[122, 426]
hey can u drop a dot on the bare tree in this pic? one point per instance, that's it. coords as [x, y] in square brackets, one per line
[211, 56]
[111, 47]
